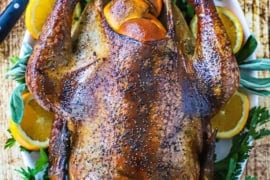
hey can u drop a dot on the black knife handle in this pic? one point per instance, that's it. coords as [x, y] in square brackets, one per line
[10, 16]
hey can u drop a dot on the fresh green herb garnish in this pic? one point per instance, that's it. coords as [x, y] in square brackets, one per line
[187, 10]
[256, 65]
[17, 70]
[230, 168]
[250, 178]
[42, 162]
[41, 165]
[252, 84]
[17, 104]
[17, 73]
[14, 60]
[247, 50]
[10, 141]
[27, 174]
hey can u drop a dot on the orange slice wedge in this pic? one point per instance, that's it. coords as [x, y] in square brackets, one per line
[37, 13]
[232, 118]
[34, 130]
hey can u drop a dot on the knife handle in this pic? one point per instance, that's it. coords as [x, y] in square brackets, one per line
[10, 16]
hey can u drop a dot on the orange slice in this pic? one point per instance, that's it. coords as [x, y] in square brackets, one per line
[117, 12]
[34, 130]
[232, 118]
[37, 13]
[232, 25]
[142, 29]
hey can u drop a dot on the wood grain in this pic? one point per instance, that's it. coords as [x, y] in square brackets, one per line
[257, 14]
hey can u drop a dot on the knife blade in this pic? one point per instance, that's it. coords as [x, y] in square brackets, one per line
[10, 16]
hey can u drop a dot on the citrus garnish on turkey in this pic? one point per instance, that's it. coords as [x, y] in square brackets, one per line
[37, 13]
[232, 118]
[232, 26]
[34, 130]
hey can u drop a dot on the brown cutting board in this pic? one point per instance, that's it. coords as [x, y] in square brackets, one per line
[257, 14]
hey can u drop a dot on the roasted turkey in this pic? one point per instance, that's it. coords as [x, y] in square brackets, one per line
[131, 109]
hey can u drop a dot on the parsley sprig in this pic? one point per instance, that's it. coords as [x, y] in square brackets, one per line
[41, 166]
[230, 168]
[10, 141]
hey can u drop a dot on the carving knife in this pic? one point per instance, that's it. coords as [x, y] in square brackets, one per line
[10, 16]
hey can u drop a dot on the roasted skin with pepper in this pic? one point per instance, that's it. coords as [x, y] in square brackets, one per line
[132, 91]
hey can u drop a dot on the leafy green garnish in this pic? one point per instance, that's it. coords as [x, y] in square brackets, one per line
[42, 162]
[187, 10]
[14, 60]
[259, 92]
[250, 178]
[252, 84]
[230, 168]
[17, 104]
[10, 143]
[41, 165]
[256, 65]
[27, 174]
[247, 50]
[17, 70]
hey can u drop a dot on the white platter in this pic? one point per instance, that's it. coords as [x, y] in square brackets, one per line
[222, 147]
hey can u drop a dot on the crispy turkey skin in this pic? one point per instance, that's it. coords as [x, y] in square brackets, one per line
[128, 109]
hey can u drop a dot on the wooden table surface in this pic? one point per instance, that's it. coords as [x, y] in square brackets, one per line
[257, 13]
